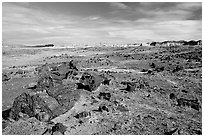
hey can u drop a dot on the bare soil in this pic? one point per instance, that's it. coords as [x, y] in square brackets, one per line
[147, 108]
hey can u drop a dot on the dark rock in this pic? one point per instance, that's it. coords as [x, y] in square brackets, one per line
[6, 114]
[130, 86]
[5, 77]
[33, 106]
[152, 65]
[102, 108]
[45, 80]
[170, 132]
[59, 127]
[40, 46]
[91, 81]
[192, 42]
[140, 83]
[50, 102]
[32, 86]
[73, 65]
[41, 110]
[71, 74]
[172, 96]
[176, 68]
[20, 71]
[184, 91]
[153, 43]
[103, 95]
[23, 103]
[81, 86]
[198, 132]
[189, 103]
[52, 76]
[144, 70]
[66, 96]
[157, 67]
[5, 123]
[122, 108]
[82, 114]
[106, 81]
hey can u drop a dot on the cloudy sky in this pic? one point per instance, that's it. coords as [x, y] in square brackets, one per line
[39, 23]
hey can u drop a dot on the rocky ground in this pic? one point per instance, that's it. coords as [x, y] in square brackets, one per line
[143, 90]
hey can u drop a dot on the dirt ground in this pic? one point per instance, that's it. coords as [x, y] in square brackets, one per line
[166, 96]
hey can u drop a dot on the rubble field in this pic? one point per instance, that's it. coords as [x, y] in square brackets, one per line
[135, 90]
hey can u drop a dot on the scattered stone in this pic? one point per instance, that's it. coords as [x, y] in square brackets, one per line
[73, 65]
[122, 108]
[172, 96]
[130, 86]
[29, 127]
[20, 71]
[184, 91]
[32, 86]
[105, 96]
[189, 103]
[171, 132]
[82, 115]
[5, 77]
[103, 108]
[106, 81]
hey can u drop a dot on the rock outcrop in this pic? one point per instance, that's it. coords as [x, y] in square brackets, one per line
[33, 106]
[90, 81]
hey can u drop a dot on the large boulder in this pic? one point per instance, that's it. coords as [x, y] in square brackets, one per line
[90, 81]
[44, 78]
[132, 85]
[23, 103]
[33, 106]
[52, 76]
[66, 96]
[41, 110]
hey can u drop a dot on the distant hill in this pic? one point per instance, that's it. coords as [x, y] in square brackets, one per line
[40, 46]
[180, 42]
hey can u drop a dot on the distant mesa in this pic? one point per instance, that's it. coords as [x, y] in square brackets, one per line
[173, 43]
[41, 46]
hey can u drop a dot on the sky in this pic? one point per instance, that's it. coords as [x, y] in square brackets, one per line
[100, 22]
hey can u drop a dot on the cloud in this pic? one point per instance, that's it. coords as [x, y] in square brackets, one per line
[93, 18]
[123, 22]
[27, 22]
[159, 31]
[118, 5]
[189, 5]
